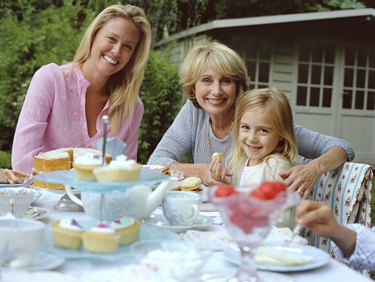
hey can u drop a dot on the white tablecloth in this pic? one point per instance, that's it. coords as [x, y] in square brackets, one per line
[79, 269]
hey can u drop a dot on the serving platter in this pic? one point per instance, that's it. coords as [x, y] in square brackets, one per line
[68, 177]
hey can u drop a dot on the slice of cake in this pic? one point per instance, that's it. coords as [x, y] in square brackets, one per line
[128, 228]
[59, 159]
[119, 170]
[67, 233]
[101, 239]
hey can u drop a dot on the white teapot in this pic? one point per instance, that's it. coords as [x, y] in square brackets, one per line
[138, 201]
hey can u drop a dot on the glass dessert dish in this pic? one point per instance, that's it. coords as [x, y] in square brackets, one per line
[249, 220]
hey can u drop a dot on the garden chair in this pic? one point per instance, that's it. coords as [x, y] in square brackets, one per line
[347, 191]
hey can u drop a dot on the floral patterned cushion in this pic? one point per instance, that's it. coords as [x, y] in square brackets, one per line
[347, 190]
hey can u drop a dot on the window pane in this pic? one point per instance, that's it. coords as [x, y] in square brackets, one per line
[327, 97]
[316, 74]
[361, 58]
[348, 80]
[251, 66]
[301, 96]
[264, 71]
[314, 97]
[317, 55]
[330, 54]
[347, 100]
[304, 53]
[372, 59]
[361, 76]
[371, 100]
[265, 51]
[328, 76]
[371, 79]
[349, 57]
[303, 73]
[359, 100]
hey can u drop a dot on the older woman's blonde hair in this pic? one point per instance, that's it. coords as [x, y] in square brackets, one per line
[123, 86]
[222, 59]
[276, 105]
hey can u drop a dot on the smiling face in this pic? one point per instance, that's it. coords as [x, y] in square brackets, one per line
[215, 93]
[112, 47]
[257, 135]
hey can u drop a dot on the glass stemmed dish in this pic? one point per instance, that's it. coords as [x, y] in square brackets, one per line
[249, 220]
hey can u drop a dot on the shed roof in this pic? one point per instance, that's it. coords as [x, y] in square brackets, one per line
[369, 14]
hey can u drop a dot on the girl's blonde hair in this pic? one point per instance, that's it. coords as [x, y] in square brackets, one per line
[222, 59]
[276, 105]
[124, 85]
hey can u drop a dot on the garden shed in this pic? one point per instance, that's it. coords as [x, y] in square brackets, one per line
[324, 62]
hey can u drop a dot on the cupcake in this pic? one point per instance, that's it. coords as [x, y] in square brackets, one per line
[67, 233]
[84, 165]
[128, 228]
[119, 170]
[101, 239]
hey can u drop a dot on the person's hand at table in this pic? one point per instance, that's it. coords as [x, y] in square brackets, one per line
[301, 178]
[320, 218]
[218, 172]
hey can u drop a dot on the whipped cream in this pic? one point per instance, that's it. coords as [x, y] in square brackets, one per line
[123, 222]
[122, 162]
[102, 228]
[88, 159]
[71, 224]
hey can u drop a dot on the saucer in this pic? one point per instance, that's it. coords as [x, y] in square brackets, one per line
[43, 261]
[36, 213]
[201, 223]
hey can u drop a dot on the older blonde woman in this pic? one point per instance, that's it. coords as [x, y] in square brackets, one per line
[65, 104]
[213, 76]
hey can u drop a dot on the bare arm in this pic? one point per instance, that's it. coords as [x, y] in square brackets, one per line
[320, 218]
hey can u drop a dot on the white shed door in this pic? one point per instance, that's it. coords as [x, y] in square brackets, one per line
[336, 94]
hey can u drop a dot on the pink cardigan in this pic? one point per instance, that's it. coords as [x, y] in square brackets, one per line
[53, 116]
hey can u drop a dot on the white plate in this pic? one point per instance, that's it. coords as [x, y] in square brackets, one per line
[123, 252]
[320, 258]
[201, 223]
[10, 185]
[36, 213]
[43, 261]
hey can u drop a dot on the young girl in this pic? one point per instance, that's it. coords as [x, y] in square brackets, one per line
[264, 142]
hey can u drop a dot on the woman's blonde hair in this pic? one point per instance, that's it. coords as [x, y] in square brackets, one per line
[222, 59]
[276, 105]
[124, 85]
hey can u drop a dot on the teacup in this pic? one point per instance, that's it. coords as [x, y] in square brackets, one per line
[20, 241]
[181, 208]
[16, 204]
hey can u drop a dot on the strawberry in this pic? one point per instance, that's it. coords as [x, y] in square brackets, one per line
[224, 191]
[268, 190]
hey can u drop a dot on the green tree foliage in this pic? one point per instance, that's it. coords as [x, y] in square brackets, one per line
[162, 98]
[31, 38]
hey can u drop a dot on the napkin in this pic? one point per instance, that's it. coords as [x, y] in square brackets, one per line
[114, 146]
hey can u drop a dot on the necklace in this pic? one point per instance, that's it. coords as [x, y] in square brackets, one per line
[227, 145]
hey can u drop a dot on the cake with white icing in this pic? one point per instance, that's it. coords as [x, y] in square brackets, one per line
[101, 239]
[85, 164]
[120, 170]
[128, 228]
[66, 233]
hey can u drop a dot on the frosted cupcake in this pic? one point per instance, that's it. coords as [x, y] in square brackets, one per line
[128, 228]
[119, 170]
[101, 239]
[67, 234]
[84, 165]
